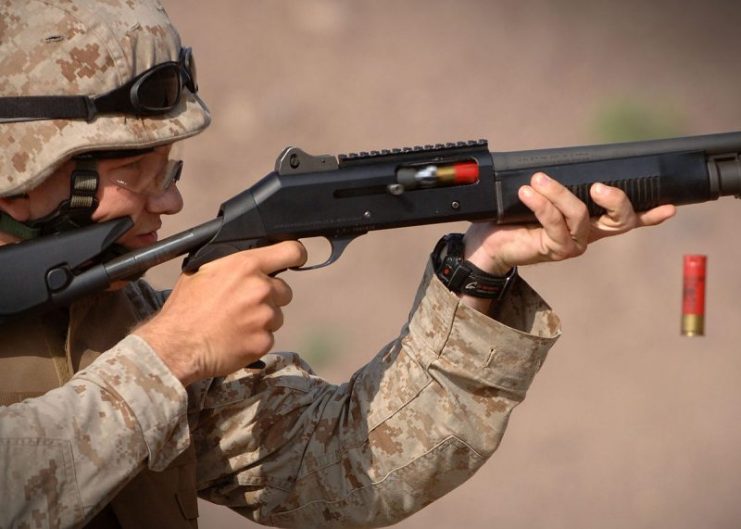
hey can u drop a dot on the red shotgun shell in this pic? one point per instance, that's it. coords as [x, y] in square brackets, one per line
[693, 295]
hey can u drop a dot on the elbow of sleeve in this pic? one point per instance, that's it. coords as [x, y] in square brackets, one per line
[397, 495]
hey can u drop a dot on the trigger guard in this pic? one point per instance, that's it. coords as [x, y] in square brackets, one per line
[339, 245]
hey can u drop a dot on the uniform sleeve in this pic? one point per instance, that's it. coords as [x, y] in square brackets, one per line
[284, 448]
[65, 454]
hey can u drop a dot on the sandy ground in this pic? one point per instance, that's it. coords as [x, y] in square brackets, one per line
[628, 424]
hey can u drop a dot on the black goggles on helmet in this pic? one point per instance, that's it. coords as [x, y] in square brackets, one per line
[154, 92]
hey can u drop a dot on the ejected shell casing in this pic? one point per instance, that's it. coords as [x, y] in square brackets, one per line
[693, 295]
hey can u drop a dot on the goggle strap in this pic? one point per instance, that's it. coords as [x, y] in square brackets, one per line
[41, 107]
[121, 100]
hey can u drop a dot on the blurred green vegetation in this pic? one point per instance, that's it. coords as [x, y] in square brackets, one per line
[320, 346]
[626, 119]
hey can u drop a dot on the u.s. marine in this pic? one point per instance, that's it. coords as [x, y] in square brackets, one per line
[123, 409]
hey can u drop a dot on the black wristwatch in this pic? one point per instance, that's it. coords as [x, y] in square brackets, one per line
[462, 276]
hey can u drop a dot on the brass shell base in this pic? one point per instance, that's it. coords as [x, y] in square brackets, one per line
[693, 325]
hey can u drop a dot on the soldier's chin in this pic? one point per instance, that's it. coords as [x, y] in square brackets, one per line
[135, 242]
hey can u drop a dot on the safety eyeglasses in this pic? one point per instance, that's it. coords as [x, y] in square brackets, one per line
[154, 92]
[153, 185]
[148, 172]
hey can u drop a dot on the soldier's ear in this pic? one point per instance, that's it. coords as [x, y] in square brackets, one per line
[18, 207]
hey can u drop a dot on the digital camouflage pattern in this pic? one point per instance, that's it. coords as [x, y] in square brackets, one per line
[66, 452]
[278, 444]
[82, 47]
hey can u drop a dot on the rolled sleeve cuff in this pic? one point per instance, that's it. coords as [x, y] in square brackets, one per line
[505, 353]
[134, 374]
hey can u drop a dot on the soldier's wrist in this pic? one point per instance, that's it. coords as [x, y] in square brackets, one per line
[464, 276]
[174, 354]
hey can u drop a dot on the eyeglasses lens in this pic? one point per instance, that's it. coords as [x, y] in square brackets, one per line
[150, 175]
[170, 176]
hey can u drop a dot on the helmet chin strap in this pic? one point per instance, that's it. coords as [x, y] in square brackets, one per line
[17, 228]
[77, 210]
[73, 213]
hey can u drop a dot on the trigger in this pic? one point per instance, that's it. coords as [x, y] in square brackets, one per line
[339, 244]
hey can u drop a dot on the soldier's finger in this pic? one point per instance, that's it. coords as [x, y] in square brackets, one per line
[281, 256]
[277, 320]
[550, 218]
[573, 210]
[657, 215]
[618, 209]
[282, 293]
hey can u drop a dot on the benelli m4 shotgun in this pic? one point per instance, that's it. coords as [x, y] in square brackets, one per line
[344, 197]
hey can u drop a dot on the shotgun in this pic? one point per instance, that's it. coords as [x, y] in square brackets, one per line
[341, 198]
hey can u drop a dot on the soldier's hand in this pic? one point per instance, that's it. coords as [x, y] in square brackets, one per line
[565, 227]
[223, 317]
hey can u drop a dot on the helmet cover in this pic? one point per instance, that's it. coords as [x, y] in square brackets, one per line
[83, 47]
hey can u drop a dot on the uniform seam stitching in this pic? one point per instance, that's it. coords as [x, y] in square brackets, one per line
[443, 442]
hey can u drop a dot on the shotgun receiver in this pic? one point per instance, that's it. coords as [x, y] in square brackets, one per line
[341, 198]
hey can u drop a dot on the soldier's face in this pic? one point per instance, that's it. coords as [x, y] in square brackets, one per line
[128, 187]
[133, 187]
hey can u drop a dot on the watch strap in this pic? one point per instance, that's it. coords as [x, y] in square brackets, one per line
[462, 276]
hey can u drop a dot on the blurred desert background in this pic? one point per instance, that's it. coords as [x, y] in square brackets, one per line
[628, 424]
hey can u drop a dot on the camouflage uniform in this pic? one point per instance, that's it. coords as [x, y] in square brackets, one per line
[93, 422]
[277, 444]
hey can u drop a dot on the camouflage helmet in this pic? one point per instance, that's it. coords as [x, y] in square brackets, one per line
[88, 48]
